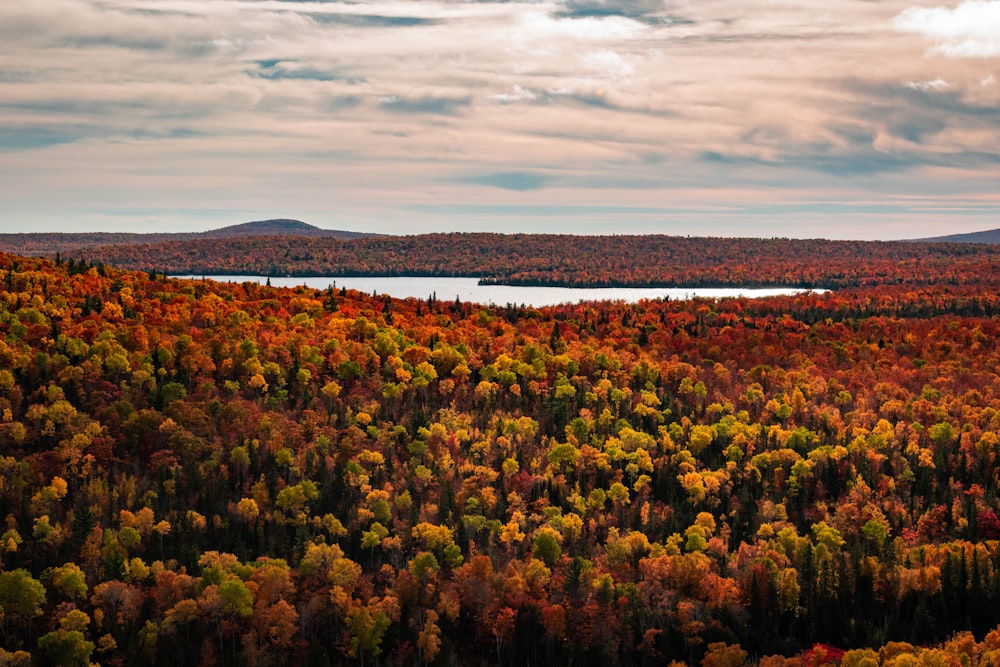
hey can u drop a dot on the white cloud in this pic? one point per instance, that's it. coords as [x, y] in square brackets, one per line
[988, 81]
[607, 63]
[970, 30]
[540, 25]
[517, 94]
[928, 86]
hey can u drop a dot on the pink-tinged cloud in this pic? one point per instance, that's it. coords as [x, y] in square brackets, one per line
[969, 30]
[733, 117]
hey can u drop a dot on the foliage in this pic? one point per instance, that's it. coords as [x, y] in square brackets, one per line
[195, 473]
[546, 259]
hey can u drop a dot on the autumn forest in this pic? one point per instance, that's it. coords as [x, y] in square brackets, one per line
[202, 473]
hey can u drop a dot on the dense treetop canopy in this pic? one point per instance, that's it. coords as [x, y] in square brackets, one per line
[196, 473]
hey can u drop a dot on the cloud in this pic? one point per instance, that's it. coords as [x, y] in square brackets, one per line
[625, 7]
[517, 94]
[369, 20]
[644, 10]
[22, 138]
[445, 106]
[596, 97]
[276, 70]
[538, 26]
[137, 43]
[608, 63]
[518, 181]
[970, 30]
[928, 86]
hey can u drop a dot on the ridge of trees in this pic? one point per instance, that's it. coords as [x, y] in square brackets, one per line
[580, 261]
[194, 472]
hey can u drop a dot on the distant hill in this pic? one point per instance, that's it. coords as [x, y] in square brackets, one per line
[991, 236]
[279, 227]
[49, 243]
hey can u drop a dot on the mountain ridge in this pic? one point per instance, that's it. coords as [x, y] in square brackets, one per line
[989, 236]
[49, 243]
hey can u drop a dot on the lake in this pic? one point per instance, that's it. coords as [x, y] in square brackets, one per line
[468, 290]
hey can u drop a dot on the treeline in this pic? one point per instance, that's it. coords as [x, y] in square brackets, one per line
[575, 261]
[201, 473]
[46, 244]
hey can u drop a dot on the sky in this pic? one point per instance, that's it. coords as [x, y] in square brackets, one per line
[864, 119]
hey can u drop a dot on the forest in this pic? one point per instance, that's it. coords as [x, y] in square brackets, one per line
[205, 473]
[541, 259]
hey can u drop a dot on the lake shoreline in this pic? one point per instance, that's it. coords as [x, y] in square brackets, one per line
[471, 290]
[519, 282]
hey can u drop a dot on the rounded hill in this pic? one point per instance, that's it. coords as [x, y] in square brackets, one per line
[278, 227]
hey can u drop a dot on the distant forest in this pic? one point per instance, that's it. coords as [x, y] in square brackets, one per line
[565, 260]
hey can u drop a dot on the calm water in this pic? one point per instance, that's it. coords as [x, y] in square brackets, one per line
[467, 290]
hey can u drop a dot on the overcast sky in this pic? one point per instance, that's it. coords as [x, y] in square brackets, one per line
[836, 119]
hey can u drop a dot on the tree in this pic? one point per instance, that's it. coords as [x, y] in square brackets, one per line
[275, 626]
[429, 638]
[66, 648]
[226, 603]
[546, 545]
[120, 603]
[723, 655]
[21, 600]
[69, 580]
[502, 626]
[237, 600]
[368, 625]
